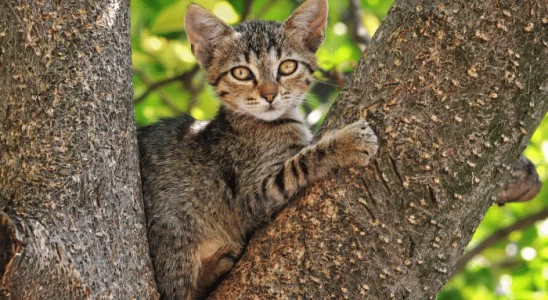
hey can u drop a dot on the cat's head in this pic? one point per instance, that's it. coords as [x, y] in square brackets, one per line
[259, 68]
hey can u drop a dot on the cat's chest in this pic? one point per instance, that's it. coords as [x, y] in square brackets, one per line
[283, 136]
[269, 147]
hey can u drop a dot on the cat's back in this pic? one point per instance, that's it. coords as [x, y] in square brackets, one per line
[162, 149]
[158, 135]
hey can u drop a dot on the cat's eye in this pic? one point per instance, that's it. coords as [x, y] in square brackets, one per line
[242, 73]
[288, 67]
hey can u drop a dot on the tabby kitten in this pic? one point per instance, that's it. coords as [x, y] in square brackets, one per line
[208, 185]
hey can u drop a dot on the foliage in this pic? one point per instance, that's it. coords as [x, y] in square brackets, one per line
[514, 268]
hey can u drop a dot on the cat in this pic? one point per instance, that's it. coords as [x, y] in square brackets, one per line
[208, 185]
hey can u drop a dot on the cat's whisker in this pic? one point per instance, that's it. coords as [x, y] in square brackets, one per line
[312, 101]
[327, 83]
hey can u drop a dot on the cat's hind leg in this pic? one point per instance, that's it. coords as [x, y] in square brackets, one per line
[176, 259]
[216, 267]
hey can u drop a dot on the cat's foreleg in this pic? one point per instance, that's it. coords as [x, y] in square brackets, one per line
[351, 146]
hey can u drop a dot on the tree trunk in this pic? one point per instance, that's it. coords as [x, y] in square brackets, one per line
[72, 223]
[454, 90]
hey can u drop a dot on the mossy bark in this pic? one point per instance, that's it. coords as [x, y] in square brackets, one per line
[454, 90]
[72, 222]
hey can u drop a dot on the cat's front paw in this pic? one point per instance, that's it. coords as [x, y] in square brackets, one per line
[359, 143]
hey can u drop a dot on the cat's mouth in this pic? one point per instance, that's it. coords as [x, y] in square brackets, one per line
[268, 113]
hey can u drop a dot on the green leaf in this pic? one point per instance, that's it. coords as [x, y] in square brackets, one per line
[171, 18]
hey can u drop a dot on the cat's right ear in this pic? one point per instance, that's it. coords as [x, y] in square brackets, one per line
[204, 31]
[307, 23]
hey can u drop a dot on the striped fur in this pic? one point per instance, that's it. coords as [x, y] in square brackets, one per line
[208, 185]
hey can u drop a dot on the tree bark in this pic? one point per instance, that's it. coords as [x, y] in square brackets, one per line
[454, 90]
[72, 223]
[522, 185]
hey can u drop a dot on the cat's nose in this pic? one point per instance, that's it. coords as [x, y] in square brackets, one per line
[269, 91]
[269, 96]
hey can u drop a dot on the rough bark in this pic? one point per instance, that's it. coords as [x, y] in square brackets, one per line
[522, 185]
[72, 222]
[454, 90]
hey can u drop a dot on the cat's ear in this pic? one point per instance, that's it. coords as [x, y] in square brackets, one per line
[307, 23]
[204, 31]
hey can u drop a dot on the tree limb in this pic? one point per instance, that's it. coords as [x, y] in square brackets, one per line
[185, 76]
[448, 106]
[522, 185]
[359, 33]
[247, 9]
[165, 98]
[498, 236]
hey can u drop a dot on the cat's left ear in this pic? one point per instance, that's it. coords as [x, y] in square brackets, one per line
[205, 32]
[307, 23]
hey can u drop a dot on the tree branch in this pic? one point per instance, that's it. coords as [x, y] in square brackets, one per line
[523, 185]
[335, 77]
[359, 34]
[247, 9]
[497, 236]
[446, 121]
[165, 98]
[181, 77]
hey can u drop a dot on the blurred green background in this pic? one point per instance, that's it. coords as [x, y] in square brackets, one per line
[167, 82]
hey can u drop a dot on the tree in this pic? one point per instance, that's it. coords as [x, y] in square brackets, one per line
[453, 90]
[72, 223]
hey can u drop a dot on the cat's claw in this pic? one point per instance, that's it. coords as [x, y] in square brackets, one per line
[359, 141]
